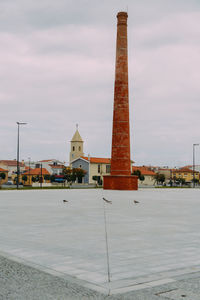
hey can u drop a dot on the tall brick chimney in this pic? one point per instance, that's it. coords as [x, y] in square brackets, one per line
[121, 178]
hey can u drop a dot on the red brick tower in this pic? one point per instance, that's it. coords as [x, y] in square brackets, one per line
[121, 178]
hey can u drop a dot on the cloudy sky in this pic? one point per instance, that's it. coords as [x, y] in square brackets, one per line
[57, 62]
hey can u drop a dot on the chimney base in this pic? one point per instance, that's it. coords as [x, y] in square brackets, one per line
[120, 182]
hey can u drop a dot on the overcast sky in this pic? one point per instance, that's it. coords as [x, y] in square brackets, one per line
[57, 63]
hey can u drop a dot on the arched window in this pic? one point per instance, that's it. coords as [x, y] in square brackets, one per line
[73, 148]
[79, 148]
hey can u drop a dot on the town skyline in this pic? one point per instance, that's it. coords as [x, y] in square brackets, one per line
[58, 63]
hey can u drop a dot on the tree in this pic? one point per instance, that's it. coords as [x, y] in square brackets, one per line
[67, 172]
[98, 179]
[52, 178]
[47, 177]
[33, 178]
[95, 178]
[160, 178]
[24, 178]
[2, 175]
[195, 180]
[79, 173]
[72, 174]
[139, 175]
[180, 181]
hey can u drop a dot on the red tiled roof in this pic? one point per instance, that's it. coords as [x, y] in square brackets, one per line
[97, 160]
[37, 171]
[12, 163]
[46, 160]
[27, 168]
[184, 170]
[57, 166]
[3, 170]
[143, 170]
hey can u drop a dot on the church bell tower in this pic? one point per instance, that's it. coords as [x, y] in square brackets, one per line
[76, 146]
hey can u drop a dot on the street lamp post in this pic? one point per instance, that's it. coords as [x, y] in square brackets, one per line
[18, 166]
[194, 145]
[29, 170]
[41, 175]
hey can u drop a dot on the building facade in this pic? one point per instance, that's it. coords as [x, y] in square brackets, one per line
[76, 150]
[149, 175]
[3, 180]
[94, 167]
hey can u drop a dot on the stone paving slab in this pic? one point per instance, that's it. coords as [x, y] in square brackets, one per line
[19, 281]
[159, 235]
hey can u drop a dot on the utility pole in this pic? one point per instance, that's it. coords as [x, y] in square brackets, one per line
[41, 175]
[18, 165]
[194, 145]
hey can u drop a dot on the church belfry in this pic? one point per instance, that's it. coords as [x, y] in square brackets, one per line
[76, 146]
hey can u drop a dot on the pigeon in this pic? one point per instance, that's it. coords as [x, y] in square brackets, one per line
[108, 201]
[65, 201]
[135, 201]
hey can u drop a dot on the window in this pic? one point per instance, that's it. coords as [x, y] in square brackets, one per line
[107, 168]
[73, 148]
[79, 148]
[99, 168]
[80, 166]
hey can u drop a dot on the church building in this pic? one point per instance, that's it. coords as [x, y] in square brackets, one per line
[94, 166]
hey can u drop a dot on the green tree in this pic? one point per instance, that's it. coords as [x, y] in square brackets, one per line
[139, 175]
[98, 179]
[47, 177]
[34, 179]
[95, 178]
[180, 181]
[2, 175]
[78, 173]
[160, 178]
[195, 180]
[67, 172]
[24, 178]
[52, 178]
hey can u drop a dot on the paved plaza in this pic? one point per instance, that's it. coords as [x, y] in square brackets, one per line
[150, 243]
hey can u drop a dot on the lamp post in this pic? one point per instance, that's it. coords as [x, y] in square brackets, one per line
[41, 175]
[18, 167]
[29, 170]
[194, 145]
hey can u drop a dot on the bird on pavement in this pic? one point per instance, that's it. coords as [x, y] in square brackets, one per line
[135, 201]
[108, 201]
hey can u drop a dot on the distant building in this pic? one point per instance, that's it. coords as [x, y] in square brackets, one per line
[166, 172]
[76, 146]
[94, 166]
[197, 167]
[149, 175]
[53, 166]
[11, 166]
[33, 174]
[2, 181]
[185, 173]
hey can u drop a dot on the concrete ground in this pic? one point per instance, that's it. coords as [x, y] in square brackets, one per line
[151, 244]
[19, 281]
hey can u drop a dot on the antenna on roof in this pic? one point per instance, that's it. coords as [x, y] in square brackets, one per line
[77, 126]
